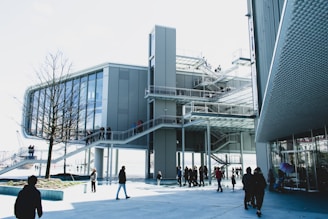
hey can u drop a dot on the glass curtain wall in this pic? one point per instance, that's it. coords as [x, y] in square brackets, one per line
[81, 104]
[301, 162]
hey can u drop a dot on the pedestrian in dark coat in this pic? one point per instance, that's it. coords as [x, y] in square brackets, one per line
[260, 184]
[121, 183]
[186, 175]
[179, 175]
[233, 181]
[201, 176]
[28, 201]
[248, 186]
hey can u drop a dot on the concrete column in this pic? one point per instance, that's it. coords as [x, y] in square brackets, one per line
[179, 159]
[183, 149]
[242, 152]
[116, 162]
[107, 171]
[208, 143]
[99, 161]
[111, 164]
[207, 158]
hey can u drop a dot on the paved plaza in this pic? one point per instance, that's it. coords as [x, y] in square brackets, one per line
[171, 201]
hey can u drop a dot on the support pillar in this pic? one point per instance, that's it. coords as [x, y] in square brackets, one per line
[99, 161]
[111, 164]
[183, 149]
[209, 153]
[108, 159]
[242, 153]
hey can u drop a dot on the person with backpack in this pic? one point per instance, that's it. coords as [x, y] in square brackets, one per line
[28, 201]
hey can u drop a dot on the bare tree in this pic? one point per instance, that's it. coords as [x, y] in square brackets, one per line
[56, 116]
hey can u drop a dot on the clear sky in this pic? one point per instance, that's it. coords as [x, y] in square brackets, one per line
[93, 32]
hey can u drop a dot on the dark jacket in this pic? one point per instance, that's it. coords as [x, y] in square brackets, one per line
[27, 201]
[248, 182]
[259, 182]
[121, 177]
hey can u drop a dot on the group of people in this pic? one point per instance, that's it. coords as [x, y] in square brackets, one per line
[254, 186]
[103, 135]
[28, 201]
[237, 171]
[31, 151]
[191, 176]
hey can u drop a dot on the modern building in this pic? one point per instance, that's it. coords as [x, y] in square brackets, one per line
[176, 104]
[289, 42]
[274, 102]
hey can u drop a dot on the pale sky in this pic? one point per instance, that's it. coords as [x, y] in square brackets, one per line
[98, 31]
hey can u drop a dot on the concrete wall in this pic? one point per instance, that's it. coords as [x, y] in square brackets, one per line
[164, 141]
[266, 18]
[126, 103]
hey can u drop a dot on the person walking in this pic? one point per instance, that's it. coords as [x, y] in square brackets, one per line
[259, 187]
[122, 181]
[93, 179]
[195, 176]
[248, 187]
[233, 181]
[218, 175]
[205, 172]
[28, 201]
[159, 177]
[179, 173]
[201, 176]
[186, 175]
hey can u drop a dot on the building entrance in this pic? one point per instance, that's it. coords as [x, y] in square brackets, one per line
[299, 168]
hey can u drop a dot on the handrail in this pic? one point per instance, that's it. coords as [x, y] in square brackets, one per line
[217, 108]
[116, 136]
[227, 138]
[231, 159]
[182, 92]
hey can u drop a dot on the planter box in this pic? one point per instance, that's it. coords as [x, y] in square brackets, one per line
[46, 194]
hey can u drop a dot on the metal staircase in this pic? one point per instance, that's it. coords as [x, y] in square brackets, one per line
[117, 138]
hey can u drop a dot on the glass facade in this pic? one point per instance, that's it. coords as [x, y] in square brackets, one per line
[302, 161]
[79, 107]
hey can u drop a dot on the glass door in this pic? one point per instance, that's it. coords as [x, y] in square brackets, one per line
[307, 170]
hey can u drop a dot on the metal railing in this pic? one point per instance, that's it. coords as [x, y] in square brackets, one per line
[217, 108]
[95, 139]
[182, 92]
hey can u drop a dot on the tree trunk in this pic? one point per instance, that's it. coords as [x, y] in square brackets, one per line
[51, 142]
